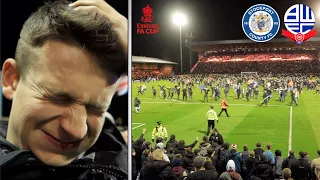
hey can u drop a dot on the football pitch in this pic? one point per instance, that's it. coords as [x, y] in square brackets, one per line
[285, 127]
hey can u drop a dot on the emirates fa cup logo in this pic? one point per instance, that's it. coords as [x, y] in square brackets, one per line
[147, 14]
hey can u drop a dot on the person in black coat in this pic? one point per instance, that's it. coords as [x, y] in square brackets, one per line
[213, 155]
[200, 172]
[250, 163]
[258, 151]
[287, 163]
[182, 146]
[263, 169]
[134, 166]
[145, 156]
[187, 160]
[216, 137]
[172, 143]
[157, 168]
[222, 158]
[211, 170]
[137, 146]
[301, 169]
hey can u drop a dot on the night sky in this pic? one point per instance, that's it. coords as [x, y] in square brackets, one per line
[208, 20]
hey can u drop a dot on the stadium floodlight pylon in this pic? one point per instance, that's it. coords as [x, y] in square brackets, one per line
[248, 74]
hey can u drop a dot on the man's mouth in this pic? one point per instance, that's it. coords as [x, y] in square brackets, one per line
[60, 144]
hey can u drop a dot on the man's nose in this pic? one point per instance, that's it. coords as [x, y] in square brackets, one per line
[73, 126]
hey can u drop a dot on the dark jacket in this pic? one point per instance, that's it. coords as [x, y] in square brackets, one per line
[216, 138]
[249, 165]
[134, 169]
[187, 161]
[181, 148]
[200, 175]
[287, 163]
[263, 170]
[212, 171]
[157, 170]
[172, 143]
[137, 146]
[258, 152]
[301, 170]
[110, 158]
[222, 160]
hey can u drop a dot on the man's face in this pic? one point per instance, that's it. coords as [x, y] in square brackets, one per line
[57, 111]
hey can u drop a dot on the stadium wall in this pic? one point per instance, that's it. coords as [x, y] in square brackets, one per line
[166, 68]
[147, 66]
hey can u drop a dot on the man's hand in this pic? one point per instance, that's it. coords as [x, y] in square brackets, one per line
[144, 131]
[184, 174]
[197, 138]
[118, 21]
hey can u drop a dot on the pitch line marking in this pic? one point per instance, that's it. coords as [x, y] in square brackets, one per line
[253, 105]
[290, 131]
[141, 124]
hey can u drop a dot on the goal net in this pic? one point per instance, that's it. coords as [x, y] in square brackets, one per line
[246, 74]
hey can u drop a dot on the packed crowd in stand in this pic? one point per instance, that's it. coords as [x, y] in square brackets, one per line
[297, 66]
[143, 74]
[213, 159]
[270, 62]
[257, 56]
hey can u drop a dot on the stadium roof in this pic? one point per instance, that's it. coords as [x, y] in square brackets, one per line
[247, 43]
[142, 59]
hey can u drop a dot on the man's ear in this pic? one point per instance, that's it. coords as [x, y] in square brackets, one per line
[10, 78]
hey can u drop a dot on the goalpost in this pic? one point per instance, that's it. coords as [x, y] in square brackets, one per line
[243, 74]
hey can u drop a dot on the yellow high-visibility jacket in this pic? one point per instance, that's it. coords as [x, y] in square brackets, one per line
[211, 115]
[159, 131]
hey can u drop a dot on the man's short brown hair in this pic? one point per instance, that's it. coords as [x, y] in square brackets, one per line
[87, 30]
[269, 146]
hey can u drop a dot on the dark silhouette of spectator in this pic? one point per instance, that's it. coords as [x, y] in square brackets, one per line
[263, 169]
[289, 160]
[301, 169]
[258, 151]
[157, 168]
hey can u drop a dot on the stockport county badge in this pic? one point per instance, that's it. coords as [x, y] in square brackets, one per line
[260, 23]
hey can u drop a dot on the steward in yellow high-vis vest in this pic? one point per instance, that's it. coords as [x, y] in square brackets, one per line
[159, 132]
[211, 117]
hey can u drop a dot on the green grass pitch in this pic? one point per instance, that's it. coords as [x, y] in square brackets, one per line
[248, 123]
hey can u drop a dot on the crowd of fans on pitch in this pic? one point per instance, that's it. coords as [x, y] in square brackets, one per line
[258, 62]
[221, 84]
[214, 159]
